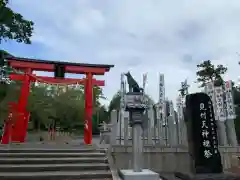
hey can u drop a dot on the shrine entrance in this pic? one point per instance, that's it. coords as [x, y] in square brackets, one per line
[16, 125]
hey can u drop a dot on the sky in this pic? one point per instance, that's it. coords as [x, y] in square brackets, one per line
[140, 36]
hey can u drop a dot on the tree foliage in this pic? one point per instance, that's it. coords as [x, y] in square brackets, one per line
[55, 106]
[13, 26]
[4, 72]
[208, 72]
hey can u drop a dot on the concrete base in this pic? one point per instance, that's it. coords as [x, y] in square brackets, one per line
[146, 174]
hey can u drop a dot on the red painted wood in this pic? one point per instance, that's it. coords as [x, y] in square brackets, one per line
[19, 113]
[20, 125]
[51, 68]
[88, 110]
[13, 126]
[33, 66]
[7, 129]
[20, 77]
[19, 131]
[83, 70]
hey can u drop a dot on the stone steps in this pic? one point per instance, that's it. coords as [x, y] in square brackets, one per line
[56, 175]
[53, 150]
[54, 164]
[53, 167]
[46, 155]
[56, 160]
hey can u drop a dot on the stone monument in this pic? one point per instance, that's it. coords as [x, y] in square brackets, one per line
[203, 140]
[135, 105]
[202, 134]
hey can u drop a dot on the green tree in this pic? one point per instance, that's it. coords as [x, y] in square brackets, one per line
[99, 116]
[207, 72]
[41, 107]
[62, 106]
[115, 102]
[13, 26]
[12, 95]
[3, 74]
[102, 114]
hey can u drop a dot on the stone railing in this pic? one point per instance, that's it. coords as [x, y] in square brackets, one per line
[169, 159]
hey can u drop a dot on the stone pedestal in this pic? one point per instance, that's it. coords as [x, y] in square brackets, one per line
[146, 174]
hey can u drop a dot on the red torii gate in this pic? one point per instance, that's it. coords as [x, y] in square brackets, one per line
[16, 125]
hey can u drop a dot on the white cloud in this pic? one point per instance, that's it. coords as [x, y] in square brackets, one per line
[151, 36]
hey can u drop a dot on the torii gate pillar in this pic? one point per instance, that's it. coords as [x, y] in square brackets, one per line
[88, 109]
[15, 131]
[22, 124]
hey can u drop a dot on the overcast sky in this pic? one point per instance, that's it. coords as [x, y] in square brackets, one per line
[153, 36]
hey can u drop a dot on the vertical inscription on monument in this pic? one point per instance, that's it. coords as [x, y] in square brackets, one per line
[203, 131]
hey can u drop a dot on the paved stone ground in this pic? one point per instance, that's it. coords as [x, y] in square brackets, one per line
[76, 143]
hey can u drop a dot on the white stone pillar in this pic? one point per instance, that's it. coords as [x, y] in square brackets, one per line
[231, 114]
[179, 119]
[149, 128]
[152, 124]
[220, 115]
[175, 129]
[126, 125]
[162, 109]
[171, 130]
[114, 129]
